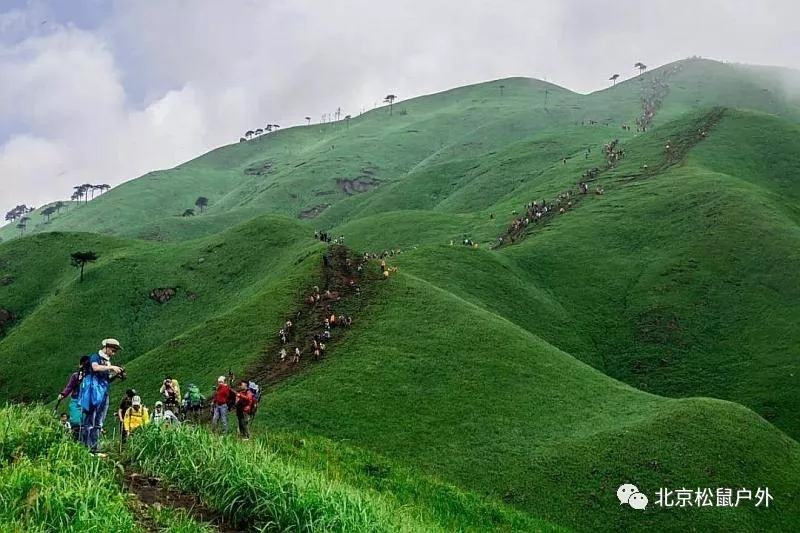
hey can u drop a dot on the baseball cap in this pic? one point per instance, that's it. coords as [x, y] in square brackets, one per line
[137, 400]
[221, 379]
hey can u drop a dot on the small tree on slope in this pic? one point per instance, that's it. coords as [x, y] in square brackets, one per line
[79, 259]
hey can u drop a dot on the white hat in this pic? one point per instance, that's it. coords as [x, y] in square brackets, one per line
[111, 342]
[137, 400]
[221, 379]
[159, 403]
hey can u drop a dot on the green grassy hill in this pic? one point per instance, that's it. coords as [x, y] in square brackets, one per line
[646, 335]
[296, 170]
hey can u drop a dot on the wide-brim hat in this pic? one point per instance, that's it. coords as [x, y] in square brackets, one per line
[111, 342]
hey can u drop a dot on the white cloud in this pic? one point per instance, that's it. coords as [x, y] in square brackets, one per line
[161, 81]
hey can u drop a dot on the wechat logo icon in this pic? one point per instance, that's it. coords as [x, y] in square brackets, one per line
[629, 494]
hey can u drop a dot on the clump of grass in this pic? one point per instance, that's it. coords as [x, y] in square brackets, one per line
[169, 520]
[52, 484]
[252, 487]
[27, 432]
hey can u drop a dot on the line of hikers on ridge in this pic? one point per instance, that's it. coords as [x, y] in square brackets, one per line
[88, 392]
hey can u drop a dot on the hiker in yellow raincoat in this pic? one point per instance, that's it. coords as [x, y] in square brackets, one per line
[136, 415]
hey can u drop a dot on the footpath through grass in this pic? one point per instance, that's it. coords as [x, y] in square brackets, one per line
[255, 488]
[49, 483]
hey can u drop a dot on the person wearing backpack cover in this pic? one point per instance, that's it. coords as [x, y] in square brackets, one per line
[94, 393]
[73, 389]
[193, 401]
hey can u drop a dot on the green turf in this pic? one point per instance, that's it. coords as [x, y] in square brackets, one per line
[646, 335]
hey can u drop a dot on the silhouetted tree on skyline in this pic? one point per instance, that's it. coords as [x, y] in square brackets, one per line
[390, 98]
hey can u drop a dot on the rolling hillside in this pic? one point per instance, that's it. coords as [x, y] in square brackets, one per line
[645, 335]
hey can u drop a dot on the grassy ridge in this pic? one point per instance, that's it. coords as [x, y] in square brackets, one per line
[296, 169]
[239, 283]
[478, 401]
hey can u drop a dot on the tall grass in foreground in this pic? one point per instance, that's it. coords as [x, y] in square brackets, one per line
[27, 432]
[49, 483]
[253, 487]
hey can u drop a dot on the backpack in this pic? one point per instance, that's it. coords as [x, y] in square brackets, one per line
[193, 392]
[92, 391]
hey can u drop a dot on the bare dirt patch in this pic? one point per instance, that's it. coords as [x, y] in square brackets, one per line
[364, 182]
[151, 491]
[262, 168]
[356, 186]
[313, 212]
[163, 295]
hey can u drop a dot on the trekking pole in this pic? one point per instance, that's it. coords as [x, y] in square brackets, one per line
[55, 409]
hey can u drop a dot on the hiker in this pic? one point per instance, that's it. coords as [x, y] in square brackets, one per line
[256, 391]
[296, 356]
[64, 421]
[171, 392]
[219, 405]
[94, 393]
[244, 408]
[283, 354]
[73, 389]
[136, 416]
[164, 416]
[193, 401]
[124, 405]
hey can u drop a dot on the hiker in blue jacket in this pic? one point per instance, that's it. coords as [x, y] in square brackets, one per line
[94, 393]
[73, 389]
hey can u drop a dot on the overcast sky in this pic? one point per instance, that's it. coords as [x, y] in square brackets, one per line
[102, 91]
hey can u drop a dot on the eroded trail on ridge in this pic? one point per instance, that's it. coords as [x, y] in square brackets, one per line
[347, 286]
[676, 150]
[149, 491]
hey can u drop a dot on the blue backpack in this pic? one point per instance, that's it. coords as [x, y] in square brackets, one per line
[93, 391]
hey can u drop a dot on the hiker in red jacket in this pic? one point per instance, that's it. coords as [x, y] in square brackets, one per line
[219, 405]
[244, 409]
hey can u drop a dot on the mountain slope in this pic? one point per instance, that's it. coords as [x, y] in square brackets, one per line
[605, 345]
[301, 169]
[464, 393]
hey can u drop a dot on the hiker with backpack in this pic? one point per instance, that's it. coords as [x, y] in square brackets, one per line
[171, 392]
[256, 391]
[94, 393]
[219, 405]
[73, 389]
[136, 416]
[124, 405]
[164, 416]
[193, 401]
[244, 409]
